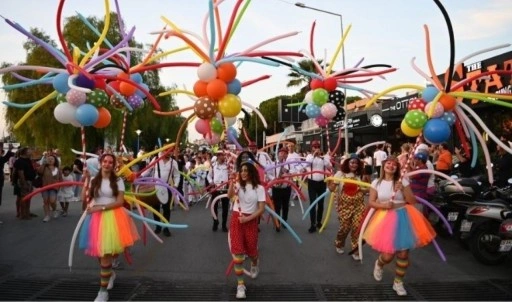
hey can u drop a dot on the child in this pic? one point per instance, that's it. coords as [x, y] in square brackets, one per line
[66, 193]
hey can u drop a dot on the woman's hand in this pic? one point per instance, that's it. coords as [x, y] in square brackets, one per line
[94, 208]
[243, 219]
[398, 186]
[388, 205]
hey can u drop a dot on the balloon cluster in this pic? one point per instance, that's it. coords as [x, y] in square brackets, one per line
[217, 90]
[84, 102]
[434, 119]
[324, 102]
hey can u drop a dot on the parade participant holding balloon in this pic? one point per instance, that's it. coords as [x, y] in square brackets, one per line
[243, 229]
[166, 170]
[397, 226]
[316, 184]
[350, 203]
[107, 230]
[281, 192]
[217, 175]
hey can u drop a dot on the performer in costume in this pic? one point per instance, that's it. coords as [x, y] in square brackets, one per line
[108, 229]
[397, 226]
[243, 227]
[217, 175]
[350, 203]
[281, 192]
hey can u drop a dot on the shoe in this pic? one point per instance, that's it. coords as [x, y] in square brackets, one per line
[319, 225]
[158, 230]
[377, 271]
[167, 233]
[215, 226]
[312, 229]
[224, 229]
[340, 250]
[111, 280]
[64, 214]
[398, 287]
[46, 218]
[240, 292]
[278, 229]
[255, 270]
[56, 214]
[115, 263]
[356, 257]
[102, 296]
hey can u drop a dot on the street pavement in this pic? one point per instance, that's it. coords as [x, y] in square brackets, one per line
[192, 264]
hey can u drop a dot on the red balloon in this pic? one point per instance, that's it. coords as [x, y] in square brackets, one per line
[417, 104]
[330, 84]
[100, 83]
[115, 85]
[316, 83]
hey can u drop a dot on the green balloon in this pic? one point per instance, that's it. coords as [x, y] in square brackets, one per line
[61, 98]
[98, 98]
[216, 126]
[415, 119]
[320, 96]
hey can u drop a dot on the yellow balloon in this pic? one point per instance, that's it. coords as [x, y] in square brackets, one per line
[410, 131]
[230, 105]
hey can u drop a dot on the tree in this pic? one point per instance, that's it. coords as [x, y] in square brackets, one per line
[298, 79]
[35, 130]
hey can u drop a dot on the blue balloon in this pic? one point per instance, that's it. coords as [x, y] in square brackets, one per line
[234, 87]
[429, 93]
[312, 110]
[83, 81]
[449, 117]
[136, 77]
[140, 93]
[436, 131]
[87, 115]
[232, 132]
[60, 82]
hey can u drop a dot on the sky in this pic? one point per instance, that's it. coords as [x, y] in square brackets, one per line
[386, 32]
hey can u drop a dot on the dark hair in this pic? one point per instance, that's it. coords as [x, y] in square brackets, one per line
[254, 178]
[96, 181]
[66, 168]
[55, 159]
[240, 159]
[346, 169]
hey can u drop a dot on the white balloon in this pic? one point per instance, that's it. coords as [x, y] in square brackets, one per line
[207, 72]
[64, 113]
[230, 121]
[308, 98]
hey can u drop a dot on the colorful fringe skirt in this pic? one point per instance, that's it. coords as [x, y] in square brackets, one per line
[107, 232]
[405, 228]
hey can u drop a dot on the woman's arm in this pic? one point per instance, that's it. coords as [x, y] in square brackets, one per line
[408, 195]
[372, 201]
[256, 214]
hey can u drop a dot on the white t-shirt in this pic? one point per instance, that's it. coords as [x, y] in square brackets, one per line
[249, 198]
[105, 194]
[385, 190]
[379, 156]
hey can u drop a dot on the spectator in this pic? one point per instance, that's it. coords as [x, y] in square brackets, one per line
[444, 161]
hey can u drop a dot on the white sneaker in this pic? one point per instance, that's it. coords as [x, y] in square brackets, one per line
[102, 296]
[56, 214]
[340, 250]
[46, 218]
[115, 263]
[255, 270]
[111, 280]
[240, 292]
[377, 271]
[356, 257]
[399, 288]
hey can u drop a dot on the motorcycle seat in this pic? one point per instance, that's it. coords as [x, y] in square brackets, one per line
[497, 201]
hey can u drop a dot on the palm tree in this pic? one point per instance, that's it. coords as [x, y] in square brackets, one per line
[298, 79]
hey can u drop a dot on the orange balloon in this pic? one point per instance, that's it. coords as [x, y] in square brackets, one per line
[127, 89]
[216, 89]
[103, 118]
[226, 72]
[448, 102]
[123, 75]
[200, 88]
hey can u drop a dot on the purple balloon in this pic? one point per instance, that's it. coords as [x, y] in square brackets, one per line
[83, 81]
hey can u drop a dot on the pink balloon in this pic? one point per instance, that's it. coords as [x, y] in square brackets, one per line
[203, 126]
[438, 110]
[321, 121]
[212, 139]
[76, 97]
[328, 110]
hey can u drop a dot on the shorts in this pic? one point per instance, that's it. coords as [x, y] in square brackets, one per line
[51, 193]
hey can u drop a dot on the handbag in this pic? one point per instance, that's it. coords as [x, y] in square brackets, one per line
[37, 182]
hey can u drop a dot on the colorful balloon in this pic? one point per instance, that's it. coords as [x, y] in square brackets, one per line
[429, 93]
[216, 126]
[104, 118]
[206, 72]
[86, 115]
[97, 97]
[321, 121]
[312, 110]
[418, 103]
[76, 97]
[226, 72]
[234, 87]
[64, 113]
[60, 82]
[438, 110]
[436, 131]
[320, 96]
[216, 89]
[415, 119]
[202, 126]
[449, 117]
[230, 105]
[328, 110]
[408, 131]
[205, 108]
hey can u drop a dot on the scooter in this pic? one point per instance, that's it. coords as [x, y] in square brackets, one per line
[483, 224]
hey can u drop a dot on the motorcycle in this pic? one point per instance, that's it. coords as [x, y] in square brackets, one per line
[483, 227]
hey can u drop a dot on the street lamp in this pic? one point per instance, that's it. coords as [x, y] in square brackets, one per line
[345, 122]
[138, 131]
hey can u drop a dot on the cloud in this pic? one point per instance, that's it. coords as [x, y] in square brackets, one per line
[480, 23]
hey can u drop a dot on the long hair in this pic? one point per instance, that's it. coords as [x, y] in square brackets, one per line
[96, 181]
[55, 160]
[345, 168]
[253, 176]
[396, 175]
[240, 159]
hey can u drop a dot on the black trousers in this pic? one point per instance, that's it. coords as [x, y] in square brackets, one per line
[281, 198]
[225, 208]
[166, 209]
[315, 189]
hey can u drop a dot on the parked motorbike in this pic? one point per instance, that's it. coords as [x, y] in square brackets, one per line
[487, 228]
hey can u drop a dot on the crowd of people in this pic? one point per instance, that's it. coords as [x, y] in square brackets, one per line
[243, 182]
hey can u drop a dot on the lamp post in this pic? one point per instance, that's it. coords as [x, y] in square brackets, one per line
[138, 131]
[345, 122]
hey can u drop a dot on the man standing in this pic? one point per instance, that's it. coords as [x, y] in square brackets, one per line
[4, 158]
[316, 183]
[444, 161]
[217, 175]
[24, 175]
[281, 192]
[379, 156]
